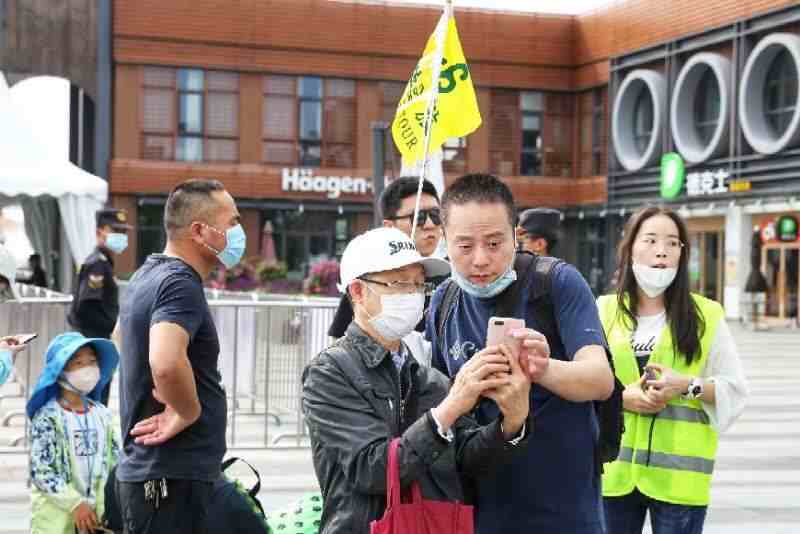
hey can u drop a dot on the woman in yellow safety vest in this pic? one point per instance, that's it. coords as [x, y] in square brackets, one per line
[683, 379]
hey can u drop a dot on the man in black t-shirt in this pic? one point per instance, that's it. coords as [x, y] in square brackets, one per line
[172, 403]
[397, 206]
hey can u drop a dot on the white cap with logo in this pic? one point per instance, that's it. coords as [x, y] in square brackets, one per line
[384, 249]
[8, 269]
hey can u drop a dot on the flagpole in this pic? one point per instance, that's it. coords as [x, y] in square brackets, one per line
[436, 70]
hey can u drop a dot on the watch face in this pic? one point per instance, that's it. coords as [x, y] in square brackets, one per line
[696, 390]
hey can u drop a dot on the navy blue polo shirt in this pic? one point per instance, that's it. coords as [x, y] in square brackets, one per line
[165, 289]
[554, 486]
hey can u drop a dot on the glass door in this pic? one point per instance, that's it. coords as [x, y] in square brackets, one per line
[780, 264]
[705, 264]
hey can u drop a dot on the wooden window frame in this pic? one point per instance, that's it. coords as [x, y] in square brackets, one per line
[324, 144]
[173, 133]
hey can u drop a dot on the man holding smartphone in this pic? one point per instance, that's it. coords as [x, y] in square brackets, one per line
[555, 485]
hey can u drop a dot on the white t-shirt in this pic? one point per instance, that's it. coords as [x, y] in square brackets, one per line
[644, 339]
[86, 433]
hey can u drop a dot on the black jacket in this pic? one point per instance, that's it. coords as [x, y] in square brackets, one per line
[353, 407]
[95, 300]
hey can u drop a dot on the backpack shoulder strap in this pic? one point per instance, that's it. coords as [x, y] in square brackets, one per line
[451, 291]
[544, 267]
[507, 300]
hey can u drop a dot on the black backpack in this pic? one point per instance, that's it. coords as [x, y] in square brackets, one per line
[235, 509]
[539, 270]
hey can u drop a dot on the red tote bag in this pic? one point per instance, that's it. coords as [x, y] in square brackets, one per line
[418, 516]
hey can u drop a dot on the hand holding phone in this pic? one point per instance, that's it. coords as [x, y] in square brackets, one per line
[650, 374]
[499, 333]
[16, 343]
[24, 339]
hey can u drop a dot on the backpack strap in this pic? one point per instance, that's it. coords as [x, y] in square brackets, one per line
[451, 291]
[257, 487]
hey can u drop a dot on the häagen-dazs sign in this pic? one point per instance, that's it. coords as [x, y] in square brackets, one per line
[303, 180]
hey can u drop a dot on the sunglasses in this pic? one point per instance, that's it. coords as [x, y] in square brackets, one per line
[434, 214]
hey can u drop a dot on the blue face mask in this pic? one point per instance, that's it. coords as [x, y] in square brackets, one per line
[234, 249]
[116, 242]
[489, 291]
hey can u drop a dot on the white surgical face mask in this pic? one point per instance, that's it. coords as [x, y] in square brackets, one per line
[84, 379]
[653, 281]
[399, 315]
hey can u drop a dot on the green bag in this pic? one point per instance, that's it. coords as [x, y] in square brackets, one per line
[302, 517]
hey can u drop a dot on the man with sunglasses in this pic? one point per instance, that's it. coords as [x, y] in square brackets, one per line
[398, 202]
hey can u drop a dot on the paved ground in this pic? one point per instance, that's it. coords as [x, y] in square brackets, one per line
[756, 483]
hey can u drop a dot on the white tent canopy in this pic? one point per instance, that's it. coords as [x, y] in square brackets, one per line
[34, 162]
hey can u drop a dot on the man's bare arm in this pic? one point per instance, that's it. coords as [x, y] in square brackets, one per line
[588, 377]
[172, 371]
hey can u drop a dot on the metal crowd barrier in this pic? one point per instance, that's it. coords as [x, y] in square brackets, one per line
[264, 345]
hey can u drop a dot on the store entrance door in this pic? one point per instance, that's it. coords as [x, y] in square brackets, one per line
[779, 263]
[705, 264]
[306, 248]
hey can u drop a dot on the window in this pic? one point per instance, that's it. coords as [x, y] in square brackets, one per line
[190, 115]
[557, 158]
[150, 231]
[304, 238]
[310, 139]
[642, 120]
[391, 93]
[191, 85]
[780, 92]
[531, 104]
[598, 132]
[504, 132]
[309, 121]
[2, 24]
[454, 155]
[706, 107]
[531, 133]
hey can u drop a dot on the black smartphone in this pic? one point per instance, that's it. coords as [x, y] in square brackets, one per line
[24, 339]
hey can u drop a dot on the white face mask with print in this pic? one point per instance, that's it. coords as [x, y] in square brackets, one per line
[84, 380]
[399, 315]
[653, 281]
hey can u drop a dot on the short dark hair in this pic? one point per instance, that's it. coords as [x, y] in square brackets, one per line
[189, 201]
[481, 188]
[399, 190]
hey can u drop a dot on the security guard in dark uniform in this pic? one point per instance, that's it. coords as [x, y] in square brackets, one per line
[95, 299]
[539, 230]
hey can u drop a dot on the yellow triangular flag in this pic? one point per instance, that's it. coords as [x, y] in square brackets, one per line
[456, 112]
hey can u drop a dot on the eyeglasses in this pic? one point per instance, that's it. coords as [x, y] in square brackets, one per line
[670, 244]
[400, 286]
[434, 214]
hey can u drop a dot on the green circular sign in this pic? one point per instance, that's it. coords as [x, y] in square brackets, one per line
[787, 228]
[672, 175]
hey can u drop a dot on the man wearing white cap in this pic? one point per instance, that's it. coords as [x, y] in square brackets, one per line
[9, 346]
[365, 390]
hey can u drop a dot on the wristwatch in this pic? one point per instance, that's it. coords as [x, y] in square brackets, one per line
[695, 390]
[520, 435]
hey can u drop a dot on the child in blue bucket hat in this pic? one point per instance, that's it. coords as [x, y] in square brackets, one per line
[74, 444]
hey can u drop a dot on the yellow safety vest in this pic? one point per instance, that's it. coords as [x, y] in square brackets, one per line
[668, 457]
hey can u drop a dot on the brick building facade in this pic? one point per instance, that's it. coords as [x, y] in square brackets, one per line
[256, 93]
